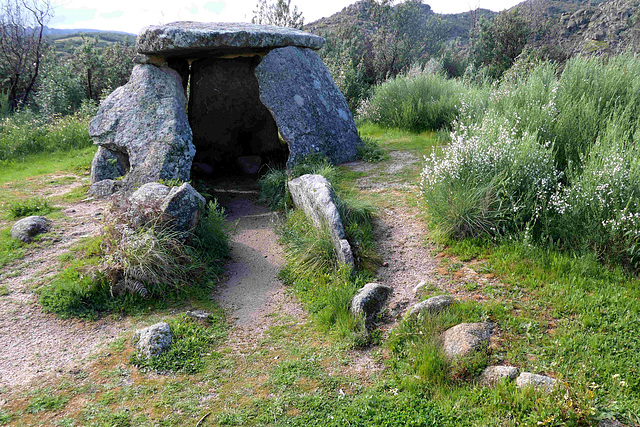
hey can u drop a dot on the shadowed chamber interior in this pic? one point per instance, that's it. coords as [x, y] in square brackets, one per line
[226, 115]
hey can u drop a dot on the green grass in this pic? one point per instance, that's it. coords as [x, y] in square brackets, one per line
[28, 207]
[191, 345]
[10, 249]
[46, 400]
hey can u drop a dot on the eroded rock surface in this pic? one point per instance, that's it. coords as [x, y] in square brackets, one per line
[314, 195]
[541, 382]
[107, 164]
[370, 300]
[179, 38]
[432, 305]
[185, 205]
[27, 228]
[492, 375]
[145, 121]
[466, 338]
[311, 113]
[153, 340]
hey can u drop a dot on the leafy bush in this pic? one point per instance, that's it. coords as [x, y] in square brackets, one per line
[27, 133]
[415, 101]
[370, 151]
[553, 158]
[27, 207]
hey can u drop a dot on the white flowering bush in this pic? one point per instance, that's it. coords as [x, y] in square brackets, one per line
[552, 158]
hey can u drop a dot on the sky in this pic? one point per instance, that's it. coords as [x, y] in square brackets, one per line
[132, 15]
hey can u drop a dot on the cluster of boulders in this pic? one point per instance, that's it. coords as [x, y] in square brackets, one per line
[460, 341]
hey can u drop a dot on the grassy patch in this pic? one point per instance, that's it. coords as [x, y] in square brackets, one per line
[46, 400]
[28, 207]
[191, 346]
[10, 248]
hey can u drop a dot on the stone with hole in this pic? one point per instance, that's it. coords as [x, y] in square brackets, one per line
[541, 382]
[153, 340]
[492, 375]
[146, 119]
[432, 305]
[466, 338]
[27, 228]
[108, 164]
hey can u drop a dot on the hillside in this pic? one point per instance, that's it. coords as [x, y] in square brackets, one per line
[65, 41]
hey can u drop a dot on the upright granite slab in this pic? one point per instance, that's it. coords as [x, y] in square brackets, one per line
[310, 111]
[145, 122]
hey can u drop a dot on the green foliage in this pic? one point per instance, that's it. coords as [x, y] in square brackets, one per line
[415, 101]
[496, 44]
[10, 248]
[417, 356]
[278, 13]
[370, 151]
[27, 207]
[273, 189]
[44, 400]
[128, 267]
[5, 417]
[548, 160]
[191, 342]
[26, 133]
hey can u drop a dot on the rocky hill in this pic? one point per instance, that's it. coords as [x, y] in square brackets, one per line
[566, 27]
[577, 28]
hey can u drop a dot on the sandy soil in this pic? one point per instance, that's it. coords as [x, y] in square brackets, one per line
[36, 343]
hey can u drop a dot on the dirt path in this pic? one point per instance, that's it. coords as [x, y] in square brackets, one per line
[36, 343]
[251, 289]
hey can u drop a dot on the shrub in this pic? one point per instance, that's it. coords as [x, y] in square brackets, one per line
[414, 101]
[370, 151]
[27, 207]
[553, 158]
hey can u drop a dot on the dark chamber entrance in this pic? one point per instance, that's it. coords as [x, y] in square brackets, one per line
[227, 118]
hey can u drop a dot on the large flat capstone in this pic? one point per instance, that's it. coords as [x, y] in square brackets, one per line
[182, 38]
[311, 113]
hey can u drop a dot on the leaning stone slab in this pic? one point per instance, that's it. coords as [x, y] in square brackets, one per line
[314, 195]
[492, 375]
[153, 340]
[311, 113]
[432, 305]
[181, 38]
[466, 338]
[541, 382]
[370, 300]
[27, 228]
[146, 119]
[185, 205]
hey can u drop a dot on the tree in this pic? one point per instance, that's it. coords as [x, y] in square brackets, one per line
[22, 24]
[279, 14]
[497, 44]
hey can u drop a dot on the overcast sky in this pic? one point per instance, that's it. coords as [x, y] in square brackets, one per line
[132, 15]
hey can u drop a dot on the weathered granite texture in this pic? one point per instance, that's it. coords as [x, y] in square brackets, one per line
[27, 228]
[314, 195]
[153, 340]
[431, 306]
[108, 164]
[370, 300]
[466, 338]
[541, 382]
[311, 113]
[181, 38]
[146, 121]
[492, 375]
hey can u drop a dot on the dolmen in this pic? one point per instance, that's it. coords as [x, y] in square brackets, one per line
[213, 94]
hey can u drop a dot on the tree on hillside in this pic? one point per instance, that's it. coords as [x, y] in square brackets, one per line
[279, 14]
[22, 24]
[497, 44]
